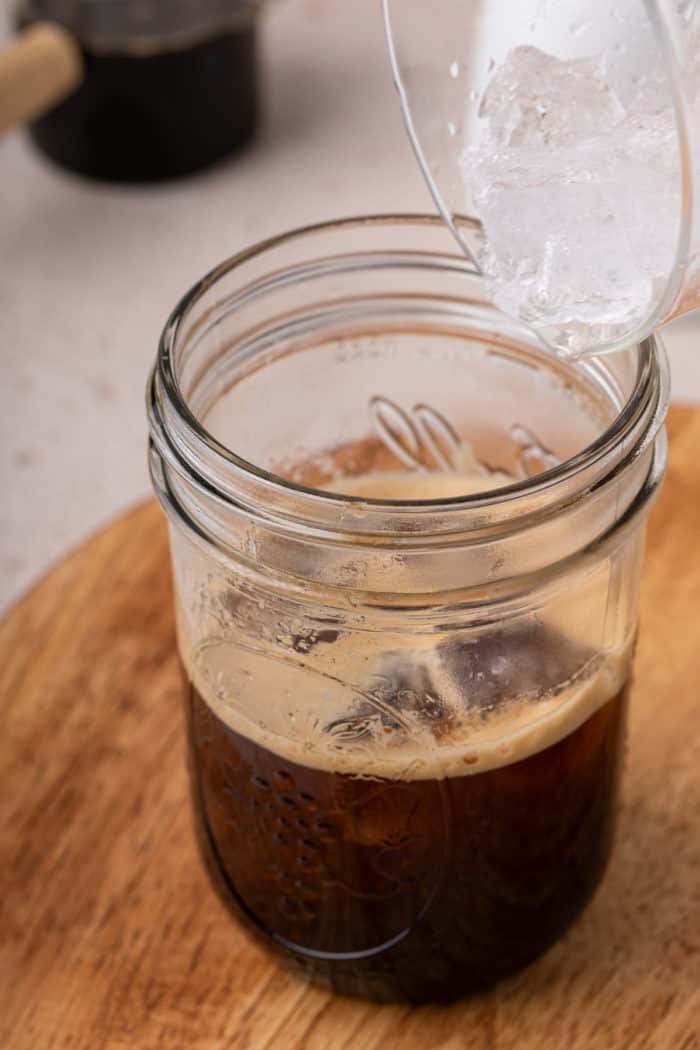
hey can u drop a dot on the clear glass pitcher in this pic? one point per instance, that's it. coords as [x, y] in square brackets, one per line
[570, 129]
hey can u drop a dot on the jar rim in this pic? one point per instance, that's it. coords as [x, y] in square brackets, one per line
[642, 401]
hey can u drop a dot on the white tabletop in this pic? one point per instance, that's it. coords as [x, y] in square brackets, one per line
[90, 272]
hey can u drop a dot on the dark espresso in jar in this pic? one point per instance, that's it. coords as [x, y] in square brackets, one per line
[418, 886]
[144, 115]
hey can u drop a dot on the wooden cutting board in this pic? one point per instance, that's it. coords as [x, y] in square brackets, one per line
[110, 935]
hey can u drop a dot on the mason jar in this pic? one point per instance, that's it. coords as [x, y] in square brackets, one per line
[407, 543]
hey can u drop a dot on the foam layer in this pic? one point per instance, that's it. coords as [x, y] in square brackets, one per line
[296, 713]
[411, 708]
[468, 477]
[411, 486]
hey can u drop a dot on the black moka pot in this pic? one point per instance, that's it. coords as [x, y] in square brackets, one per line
[133, 90]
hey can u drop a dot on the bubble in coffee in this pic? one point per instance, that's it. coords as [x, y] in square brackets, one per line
[414, 823]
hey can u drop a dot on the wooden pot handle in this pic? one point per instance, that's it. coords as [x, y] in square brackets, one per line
[38, 70]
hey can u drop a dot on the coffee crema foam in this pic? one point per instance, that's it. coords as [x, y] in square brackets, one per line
[468, 478]
[303, 696]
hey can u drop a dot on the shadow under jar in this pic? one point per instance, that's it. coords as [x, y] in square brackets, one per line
[407, 545]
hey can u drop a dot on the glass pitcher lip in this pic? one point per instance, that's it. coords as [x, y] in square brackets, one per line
[193, 443]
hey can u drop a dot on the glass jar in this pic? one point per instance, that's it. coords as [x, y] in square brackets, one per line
[169, 86]
[405, 705]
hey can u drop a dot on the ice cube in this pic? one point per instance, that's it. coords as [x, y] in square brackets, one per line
[537, 100]
[579, 197]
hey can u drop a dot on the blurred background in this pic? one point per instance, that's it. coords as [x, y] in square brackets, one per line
[91, 270]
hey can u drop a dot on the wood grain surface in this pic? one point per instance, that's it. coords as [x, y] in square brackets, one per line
[110, 935]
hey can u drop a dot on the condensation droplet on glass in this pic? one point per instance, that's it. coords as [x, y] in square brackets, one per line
[454, 70]
[579, 27]
[451, 128]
